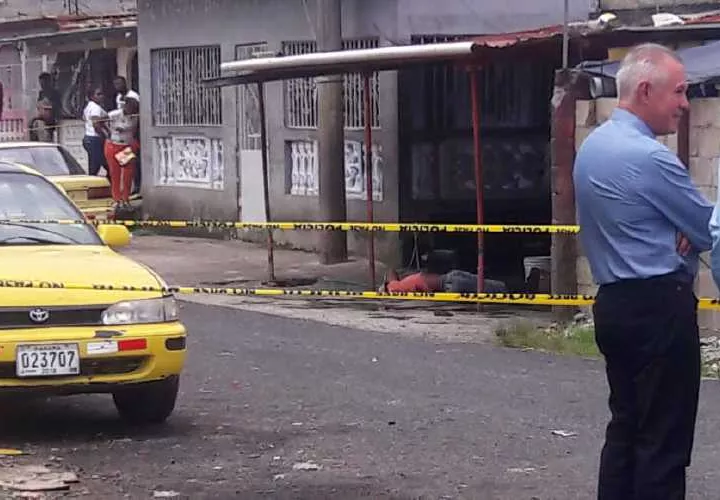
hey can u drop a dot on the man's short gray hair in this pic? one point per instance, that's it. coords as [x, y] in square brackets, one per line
[640, 63]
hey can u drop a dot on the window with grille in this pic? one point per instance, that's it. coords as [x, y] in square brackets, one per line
[178, 96]
[301, 106]
[512, 94]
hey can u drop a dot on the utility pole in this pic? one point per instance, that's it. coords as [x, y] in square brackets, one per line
[331, 136]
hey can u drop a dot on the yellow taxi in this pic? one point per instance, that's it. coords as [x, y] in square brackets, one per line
[57, 341]
[90, 193]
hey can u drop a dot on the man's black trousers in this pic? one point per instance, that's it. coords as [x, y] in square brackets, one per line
[647, 331]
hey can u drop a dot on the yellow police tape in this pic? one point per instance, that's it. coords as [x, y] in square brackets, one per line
[488, 298]
[321, 226]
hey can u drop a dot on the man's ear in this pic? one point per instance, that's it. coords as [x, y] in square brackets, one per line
[643, 91]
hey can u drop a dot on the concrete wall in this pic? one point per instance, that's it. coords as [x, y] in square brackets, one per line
[704, 157]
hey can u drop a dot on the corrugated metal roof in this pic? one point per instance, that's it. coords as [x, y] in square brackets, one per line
[393, 58]
[708, 18]
[702, 64]
[583, 29]
[64, 26]
[501, 40]
[71, 23]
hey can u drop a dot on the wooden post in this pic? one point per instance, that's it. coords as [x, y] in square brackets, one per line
[563, 247]
[331, 137]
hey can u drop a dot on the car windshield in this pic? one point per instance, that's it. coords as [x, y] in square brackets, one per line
[26, 197]
[48, 160]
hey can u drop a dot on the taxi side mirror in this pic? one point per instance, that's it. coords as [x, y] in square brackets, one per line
[113, 235]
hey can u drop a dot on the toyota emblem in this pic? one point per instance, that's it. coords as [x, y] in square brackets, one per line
[39, 315]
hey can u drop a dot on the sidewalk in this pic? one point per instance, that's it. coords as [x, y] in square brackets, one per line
[187, 261]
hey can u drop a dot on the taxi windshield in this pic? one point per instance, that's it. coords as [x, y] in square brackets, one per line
[48, 160]
[25, 197]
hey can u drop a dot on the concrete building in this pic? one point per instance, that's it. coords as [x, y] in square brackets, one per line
[82, 44]
[200, 146]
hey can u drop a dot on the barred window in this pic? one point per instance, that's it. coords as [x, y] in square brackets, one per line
[511, 94]
[178, 96]
[301, 106]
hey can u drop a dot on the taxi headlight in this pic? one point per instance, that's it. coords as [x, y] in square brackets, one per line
[141, 311]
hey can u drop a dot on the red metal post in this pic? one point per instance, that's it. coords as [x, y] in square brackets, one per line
[477, 151]
[369, 174]
[266, 188]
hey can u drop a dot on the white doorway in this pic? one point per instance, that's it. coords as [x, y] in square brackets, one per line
[251, 198]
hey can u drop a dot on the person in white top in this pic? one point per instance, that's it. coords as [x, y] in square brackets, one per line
[121, 150]
[122, 92]
[96, 131]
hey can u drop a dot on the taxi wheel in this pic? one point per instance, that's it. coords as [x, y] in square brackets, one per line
[150, 403]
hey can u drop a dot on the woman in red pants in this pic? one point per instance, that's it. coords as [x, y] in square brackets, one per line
[121, 150]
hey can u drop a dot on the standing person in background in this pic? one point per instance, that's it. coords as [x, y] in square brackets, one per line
[96, 131]
[121, 151]
[49, 96]
[643, 223]
[122, 91]
[39, 129]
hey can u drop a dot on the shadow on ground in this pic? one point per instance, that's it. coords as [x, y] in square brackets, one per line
[73, 419]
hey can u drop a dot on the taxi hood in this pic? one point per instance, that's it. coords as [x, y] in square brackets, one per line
[73, 264]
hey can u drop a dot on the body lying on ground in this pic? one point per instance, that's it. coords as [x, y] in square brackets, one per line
[455, 281]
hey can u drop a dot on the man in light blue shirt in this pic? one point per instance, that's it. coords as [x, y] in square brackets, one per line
[647, 198]
[643, 224]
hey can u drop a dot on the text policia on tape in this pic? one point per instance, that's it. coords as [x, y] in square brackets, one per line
[322, 226]
[489, 298]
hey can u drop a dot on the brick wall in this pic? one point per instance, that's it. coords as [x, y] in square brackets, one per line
[704, 157]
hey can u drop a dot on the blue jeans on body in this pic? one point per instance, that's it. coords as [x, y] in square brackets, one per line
[94, 146]
[464, 282]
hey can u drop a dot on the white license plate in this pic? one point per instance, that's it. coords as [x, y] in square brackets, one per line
[47, 360]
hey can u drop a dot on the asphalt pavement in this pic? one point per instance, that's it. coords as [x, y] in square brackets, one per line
[282, 408]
